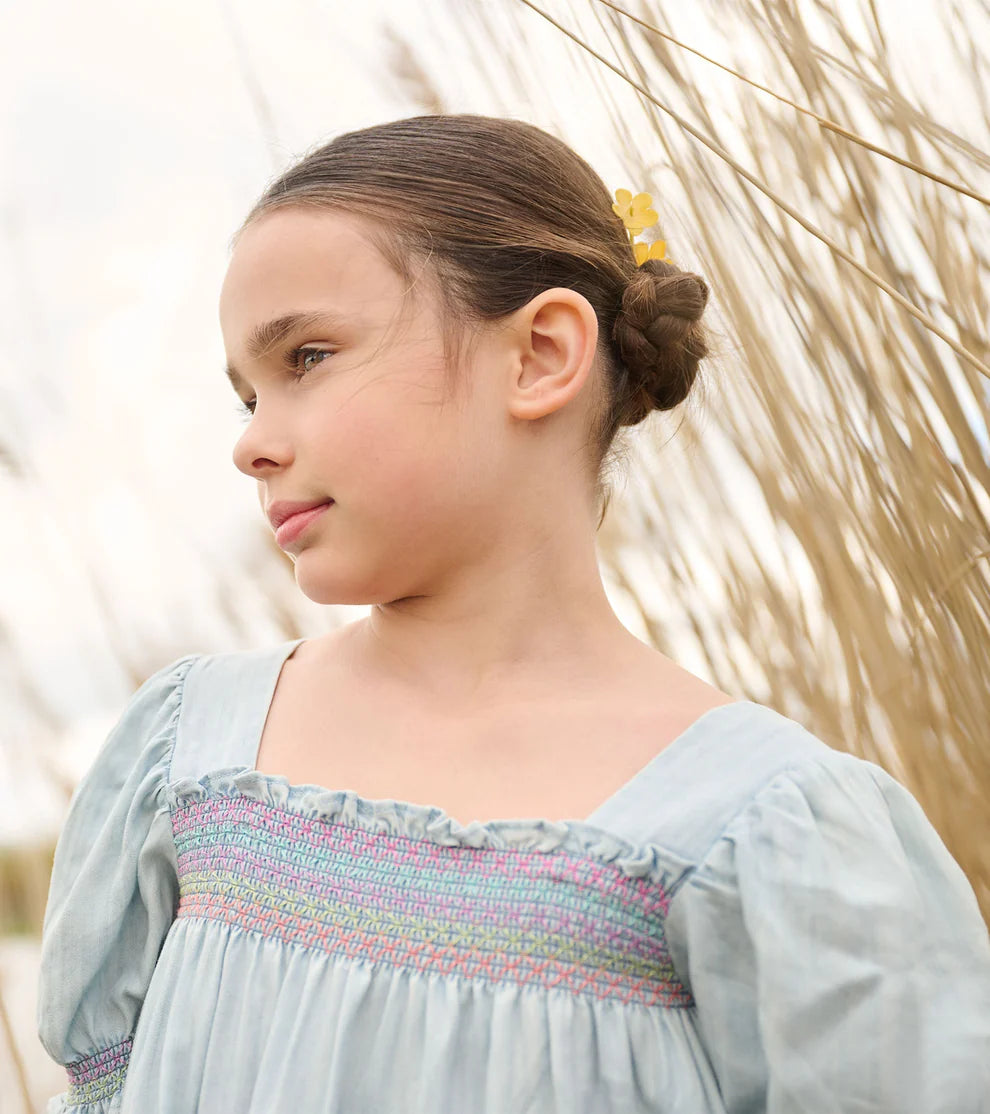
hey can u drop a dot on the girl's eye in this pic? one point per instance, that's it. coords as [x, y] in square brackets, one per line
[291, 358]
[291, 361]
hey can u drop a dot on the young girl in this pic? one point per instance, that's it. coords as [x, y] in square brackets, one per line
[483, 851]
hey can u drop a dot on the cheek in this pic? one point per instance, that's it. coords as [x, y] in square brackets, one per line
[383, 454]
[406, 459]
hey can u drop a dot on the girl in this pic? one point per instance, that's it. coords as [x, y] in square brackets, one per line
[483, 851]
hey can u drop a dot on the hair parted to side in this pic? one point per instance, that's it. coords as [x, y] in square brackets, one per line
[493, 211]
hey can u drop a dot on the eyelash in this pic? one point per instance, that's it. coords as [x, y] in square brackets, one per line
[291, 361]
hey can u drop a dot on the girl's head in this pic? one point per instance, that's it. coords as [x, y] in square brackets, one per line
[474, 332]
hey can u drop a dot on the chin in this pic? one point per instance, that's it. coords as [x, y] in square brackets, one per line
[329, 590]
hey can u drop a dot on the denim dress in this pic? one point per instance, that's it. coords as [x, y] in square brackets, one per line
[755, 923]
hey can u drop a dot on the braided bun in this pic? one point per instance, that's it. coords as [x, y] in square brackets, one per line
[659, 338]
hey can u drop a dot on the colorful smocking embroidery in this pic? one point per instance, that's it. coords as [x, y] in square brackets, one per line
[511, 916]
[98, 1076]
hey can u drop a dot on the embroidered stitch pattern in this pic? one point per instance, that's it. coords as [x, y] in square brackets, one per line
[549, 919]
[99, 1076]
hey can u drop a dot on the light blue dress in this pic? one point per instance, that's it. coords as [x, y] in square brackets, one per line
[753, 923]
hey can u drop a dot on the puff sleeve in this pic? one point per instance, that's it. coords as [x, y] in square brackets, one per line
[836, 952]
[111, 900]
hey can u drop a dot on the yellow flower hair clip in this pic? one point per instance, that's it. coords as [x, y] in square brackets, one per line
[637, 214]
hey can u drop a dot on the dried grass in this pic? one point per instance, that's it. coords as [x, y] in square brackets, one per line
[823, 546]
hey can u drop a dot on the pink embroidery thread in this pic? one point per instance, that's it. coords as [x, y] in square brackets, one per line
[528, 918]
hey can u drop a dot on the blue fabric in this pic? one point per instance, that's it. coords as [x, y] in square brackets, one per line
[754, 924]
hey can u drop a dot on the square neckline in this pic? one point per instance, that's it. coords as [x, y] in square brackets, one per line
[662, 757]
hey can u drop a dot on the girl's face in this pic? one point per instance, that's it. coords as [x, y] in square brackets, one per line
[419, 489]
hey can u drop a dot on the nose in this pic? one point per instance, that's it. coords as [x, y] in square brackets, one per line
[257, 451]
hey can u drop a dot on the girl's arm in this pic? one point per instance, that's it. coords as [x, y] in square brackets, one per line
[836, 952]
[111, 900]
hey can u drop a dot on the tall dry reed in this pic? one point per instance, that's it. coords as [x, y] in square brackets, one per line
[817, 535]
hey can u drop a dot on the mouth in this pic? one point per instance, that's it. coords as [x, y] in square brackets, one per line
[292, 527]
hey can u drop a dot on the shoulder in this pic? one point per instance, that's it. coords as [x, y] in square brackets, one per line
[697, 786]
[825, 842]
[139, 742]
[745, 775]
[829, 792]
[225, 701]
[793, 789]
[835, 840]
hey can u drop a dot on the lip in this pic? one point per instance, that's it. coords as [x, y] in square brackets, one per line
[279, 511]
[295, 524]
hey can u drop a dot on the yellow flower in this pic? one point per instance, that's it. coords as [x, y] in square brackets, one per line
[635, 211]
[656, 250]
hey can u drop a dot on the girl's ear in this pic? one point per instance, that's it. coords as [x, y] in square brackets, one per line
[554, 339]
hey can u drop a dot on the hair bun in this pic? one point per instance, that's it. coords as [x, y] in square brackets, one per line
[658, 336]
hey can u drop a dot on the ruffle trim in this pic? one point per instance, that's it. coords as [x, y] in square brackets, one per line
[427, 822]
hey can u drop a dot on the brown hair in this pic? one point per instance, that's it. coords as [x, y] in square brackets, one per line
[498, 210]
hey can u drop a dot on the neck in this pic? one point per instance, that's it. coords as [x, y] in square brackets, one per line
[513, 632]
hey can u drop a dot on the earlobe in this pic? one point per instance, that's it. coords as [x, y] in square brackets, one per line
[558, 337]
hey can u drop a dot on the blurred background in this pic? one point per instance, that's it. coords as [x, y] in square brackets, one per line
[809, 531]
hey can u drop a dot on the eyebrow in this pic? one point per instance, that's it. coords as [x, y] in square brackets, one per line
[268, 334]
